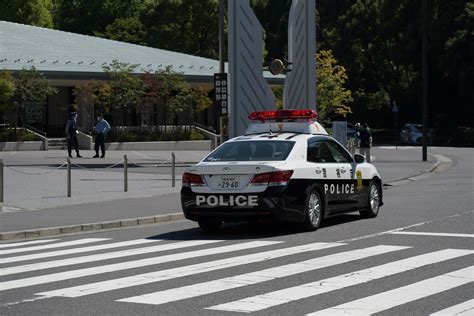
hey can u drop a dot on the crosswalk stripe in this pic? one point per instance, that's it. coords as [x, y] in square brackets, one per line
[402, 295]
[246, 279]
[61, 276]
[157, 276]
[61, 244]
[433, 234]
[77, 260]
[26, 243]
[464, 309]
[267, 300]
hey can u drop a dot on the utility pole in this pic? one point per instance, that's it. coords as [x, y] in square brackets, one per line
[425, 79]
[221, 36]
[222, 117]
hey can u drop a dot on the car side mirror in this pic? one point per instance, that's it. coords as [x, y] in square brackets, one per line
[358, 158]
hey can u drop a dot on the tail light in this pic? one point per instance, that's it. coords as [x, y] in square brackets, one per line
[275, 178]
[191, 179]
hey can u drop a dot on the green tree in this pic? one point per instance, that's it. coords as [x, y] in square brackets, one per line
[127, 89]
[273, 15]
[186, 26]
[129, 30]
[332, 97]
[7, 86]
[92, 97]
[93, 17]
[175, 94]
[31, 12]
[31, 89]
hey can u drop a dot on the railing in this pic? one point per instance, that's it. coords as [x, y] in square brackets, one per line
[209, 135]
[34, 130]
[40, 134]
[205, 128]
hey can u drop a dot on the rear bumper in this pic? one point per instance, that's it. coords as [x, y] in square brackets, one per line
[273, 204]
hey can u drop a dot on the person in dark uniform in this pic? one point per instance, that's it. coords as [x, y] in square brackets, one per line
[101, 128]
[365, 141]
[71, 135]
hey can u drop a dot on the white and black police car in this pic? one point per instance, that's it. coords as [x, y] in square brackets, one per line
[285, 167]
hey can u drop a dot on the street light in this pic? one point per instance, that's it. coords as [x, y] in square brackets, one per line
[425, 80]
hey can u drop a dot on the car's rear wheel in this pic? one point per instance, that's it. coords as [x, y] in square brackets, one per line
[313, 211]
[210, 226]
[373, 201]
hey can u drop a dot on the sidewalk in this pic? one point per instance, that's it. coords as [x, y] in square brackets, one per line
[35, 191]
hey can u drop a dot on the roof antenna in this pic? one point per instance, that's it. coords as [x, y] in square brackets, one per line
[271, 129]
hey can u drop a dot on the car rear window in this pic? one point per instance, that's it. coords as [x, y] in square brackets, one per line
[251, 151]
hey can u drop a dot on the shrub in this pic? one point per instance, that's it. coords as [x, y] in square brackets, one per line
[18, 135]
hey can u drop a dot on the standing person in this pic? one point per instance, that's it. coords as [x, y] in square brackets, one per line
[71, 135]
[357, 134]
[101, 128]
[365, 141]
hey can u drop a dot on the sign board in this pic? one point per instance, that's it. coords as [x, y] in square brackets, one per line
[220, 88]
[339, 132]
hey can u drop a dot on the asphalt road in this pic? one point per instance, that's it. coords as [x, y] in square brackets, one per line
[350, 265]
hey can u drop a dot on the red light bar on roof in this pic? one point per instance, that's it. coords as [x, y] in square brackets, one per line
[282, 114]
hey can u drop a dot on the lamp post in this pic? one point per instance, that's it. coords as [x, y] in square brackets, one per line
[425, 79]
[395, 110]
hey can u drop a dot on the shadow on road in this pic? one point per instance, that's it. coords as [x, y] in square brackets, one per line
[253, 230]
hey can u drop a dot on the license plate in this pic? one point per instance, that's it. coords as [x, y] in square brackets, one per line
[231, 183]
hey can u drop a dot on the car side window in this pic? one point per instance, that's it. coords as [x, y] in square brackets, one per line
[339, 153]
[318, 151]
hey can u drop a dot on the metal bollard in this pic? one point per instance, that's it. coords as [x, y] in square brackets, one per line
[125, 173]
[173, 170]
[68, 177]
[1, 184]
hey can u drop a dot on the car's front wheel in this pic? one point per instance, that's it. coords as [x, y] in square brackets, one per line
[313, 211]
[373, 201]
[210, 226]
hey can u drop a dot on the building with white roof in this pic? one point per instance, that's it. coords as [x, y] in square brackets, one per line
[67, 59]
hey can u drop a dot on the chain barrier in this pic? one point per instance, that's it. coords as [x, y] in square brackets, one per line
[123, 161]
[35, 174]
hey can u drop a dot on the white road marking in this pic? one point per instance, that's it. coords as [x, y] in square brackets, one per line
[168, 274]
[267, 300]
[67, 275]
[434, 234]
[402, 295]
[245, 279]
[406, 227]
[58, 245]
[26, 243]
[463, 309]
[77, 260]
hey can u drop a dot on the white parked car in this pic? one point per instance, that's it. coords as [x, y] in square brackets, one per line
[285, 168]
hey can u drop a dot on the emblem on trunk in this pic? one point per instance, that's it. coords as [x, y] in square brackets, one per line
[226, 169]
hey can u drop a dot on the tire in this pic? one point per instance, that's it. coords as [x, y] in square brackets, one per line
[313, 211]
[373, 201]
[210, 226]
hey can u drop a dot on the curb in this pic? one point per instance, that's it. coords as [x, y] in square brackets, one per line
[90, 227]
[442, 163]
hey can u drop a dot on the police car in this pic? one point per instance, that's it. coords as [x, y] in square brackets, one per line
[286, 168]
